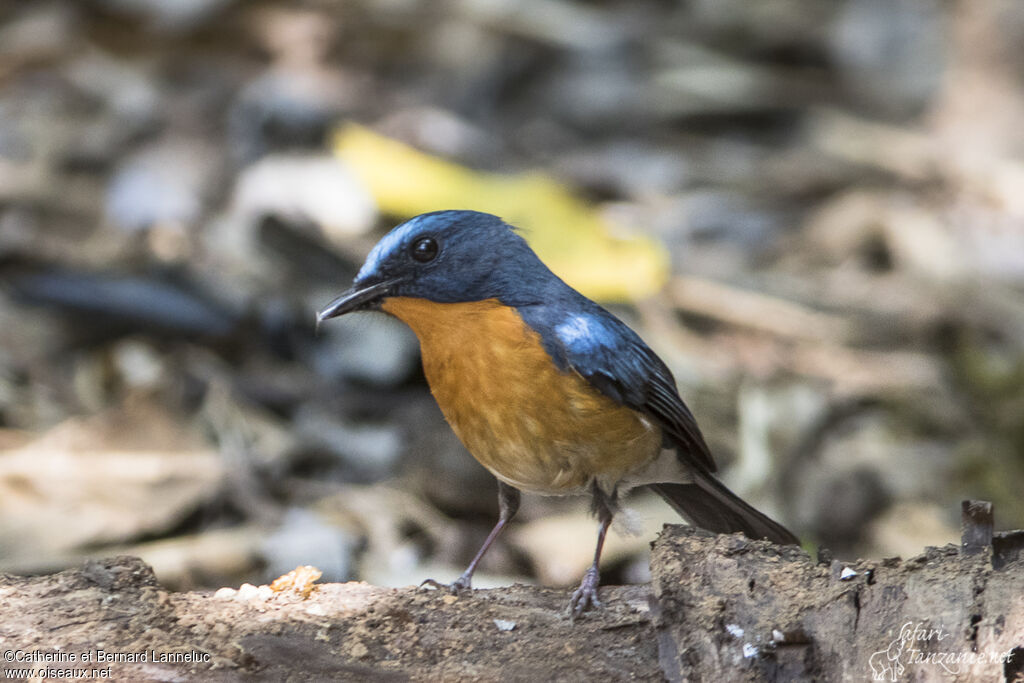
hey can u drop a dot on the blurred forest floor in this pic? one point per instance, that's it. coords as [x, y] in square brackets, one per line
[839, 188]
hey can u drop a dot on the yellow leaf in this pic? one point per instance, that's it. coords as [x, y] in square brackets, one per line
[573, 239]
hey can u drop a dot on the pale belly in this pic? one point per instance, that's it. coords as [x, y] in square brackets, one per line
[533, 426]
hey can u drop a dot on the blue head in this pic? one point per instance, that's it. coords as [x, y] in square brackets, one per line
[448, 257]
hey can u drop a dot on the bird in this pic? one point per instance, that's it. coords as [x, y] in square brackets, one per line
[549, 391]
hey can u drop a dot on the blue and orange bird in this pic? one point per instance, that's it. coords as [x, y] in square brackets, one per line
[550, 392]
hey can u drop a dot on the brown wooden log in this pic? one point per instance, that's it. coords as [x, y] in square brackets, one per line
[719, 608]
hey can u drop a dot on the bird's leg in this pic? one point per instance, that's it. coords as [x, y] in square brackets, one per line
[508, 505]
[586, 595]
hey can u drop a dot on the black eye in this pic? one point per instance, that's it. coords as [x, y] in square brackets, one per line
[425, 249]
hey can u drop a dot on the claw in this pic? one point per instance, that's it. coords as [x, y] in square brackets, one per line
[585, 596]
[459, 584]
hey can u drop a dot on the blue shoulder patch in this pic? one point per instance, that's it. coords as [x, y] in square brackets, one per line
[583, 332]
[583, 337]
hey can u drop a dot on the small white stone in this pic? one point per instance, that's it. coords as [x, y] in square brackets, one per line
[749, 650]
[734, 630]
[247, 591]
[778, 636]
[224, 593]
[504, 624]
[847, 574]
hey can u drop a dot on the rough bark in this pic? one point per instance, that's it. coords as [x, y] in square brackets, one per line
[719, 608]
[739, 610]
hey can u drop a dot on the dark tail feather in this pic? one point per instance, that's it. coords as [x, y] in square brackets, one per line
[707, 503]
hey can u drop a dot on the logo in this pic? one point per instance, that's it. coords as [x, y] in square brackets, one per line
[921, 645]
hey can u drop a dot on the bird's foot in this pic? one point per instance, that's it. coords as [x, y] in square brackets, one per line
[586, 595]
[460, 584]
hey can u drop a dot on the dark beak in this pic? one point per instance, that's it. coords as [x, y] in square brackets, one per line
[356, 299]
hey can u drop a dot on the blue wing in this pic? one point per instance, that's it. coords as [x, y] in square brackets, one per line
[610, 356]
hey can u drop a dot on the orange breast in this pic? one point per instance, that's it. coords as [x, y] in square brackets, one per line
[532, 425]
